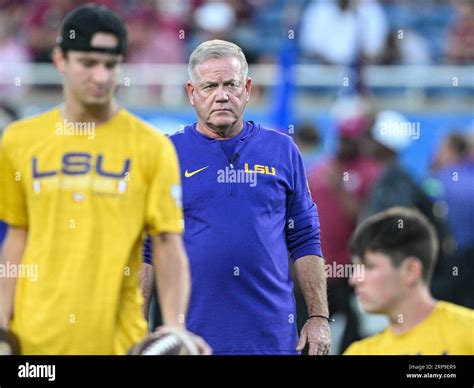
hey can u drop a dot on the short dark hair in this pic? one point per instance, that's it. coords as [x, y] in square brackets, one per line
[398, 232]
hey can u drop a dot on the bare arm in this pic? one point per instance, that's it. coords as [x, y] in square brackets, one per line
[309, 271]
[12, 253]
[311, 276]
[146, 284]
[172, 277]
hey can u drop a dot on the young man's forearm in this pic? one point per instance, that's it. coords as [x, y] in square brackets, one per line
[172, 277]
[146, 284]
[12, 253]
[311, 276]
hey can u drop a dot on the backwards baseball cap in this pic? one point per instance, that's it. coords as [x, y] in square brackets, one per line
[81, 24]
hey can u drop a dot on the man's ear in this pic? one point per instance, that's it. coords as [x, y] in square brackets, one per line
[190, 89]
[248, 87]
[59, 59]
[412, 270]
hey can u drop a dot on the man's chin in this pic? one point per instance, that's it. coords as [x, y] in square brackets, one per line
[97, 102]
[369, 308]
[222, 128]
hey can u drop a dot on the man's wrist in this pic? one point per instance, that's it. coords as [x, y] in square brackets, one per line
[318, 316]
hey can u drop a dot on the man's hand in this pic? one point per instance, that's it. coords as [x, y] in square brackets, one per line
[317, 335]
[311, 276]
[203, 347]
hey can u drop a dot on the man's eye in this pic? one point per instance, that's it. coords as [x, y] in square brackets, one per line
[87, 63]
[208, 87]
[111, 65]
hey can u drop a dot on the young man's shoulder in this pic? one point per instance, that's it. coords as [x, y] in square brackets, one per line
[454, 313]
[27, 129]
[34, 121]
[145, 131]
[447, 316]
[365, 346]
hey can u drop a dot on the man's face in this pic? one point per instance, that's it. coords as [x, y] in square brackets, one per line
[219, 94]
[382, 285]
[91, 77]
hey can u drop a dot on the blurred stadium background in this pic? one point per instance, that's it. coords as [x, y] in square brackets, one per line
[315, 64]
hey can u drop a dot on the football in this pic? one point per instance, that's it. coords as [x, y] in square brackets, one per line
[172, 343]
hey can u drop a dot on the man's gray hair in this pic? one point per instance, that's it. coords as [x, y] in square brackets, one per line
[216, 49]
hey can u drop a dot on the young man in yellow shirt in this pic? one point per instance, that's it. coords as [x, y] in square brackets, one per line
[79, 187]
[397, 248]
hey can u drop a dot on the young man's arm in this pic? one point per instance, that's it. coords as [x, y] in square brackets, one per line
[12, 253]
[146, 284]
[172, 278]
[311, 277]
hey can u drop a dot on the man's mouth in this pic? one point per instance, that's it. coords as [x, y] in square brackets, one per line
[98, 92]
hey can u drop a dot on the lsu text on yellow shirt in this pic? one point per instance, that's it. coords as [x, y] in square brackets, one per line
[86, 197]
[449, 329]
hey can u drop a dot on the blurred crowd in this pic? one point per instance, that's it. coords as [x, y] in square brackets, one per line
[325, 31]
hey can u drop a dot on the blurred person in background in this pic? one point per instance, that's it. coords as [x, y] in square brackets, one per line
[308, 140]
[453, 180]
[213, 19]
[391, 134]
[460, 39]
[398, 250]
[343, 32]
[42, 23]
[154, 38]
[14, 56]
[386, 138]
[342, 184]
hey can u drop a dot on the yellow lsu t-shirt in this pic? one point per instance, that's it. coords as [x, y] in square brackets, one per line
[87, 195]
[449, 329]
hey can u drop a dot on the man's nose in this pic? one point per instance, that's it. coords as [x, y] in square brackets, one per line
[222, 95]
[101, 74]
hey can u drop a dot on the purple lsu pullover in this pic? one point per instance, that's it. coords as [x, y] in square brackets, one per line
[238, 234]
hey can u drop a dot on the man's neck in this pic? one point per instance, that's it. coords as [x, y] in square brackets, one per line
[97, 115]
[234, 131]
[413, 310]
